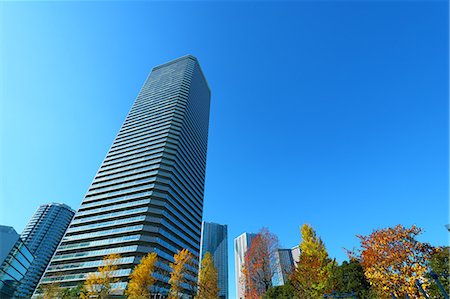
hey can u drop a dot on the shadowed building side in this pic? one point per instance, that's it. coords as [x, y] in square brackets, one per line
[215, 241]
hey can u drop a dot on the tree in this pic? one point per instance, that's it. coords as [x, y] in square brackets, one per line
[349, 277]
[285, 291]
[72, 293]
[179, 272]
[141, 278]
[98, 284]
[259, 267]
[208, 280]
[393, 259]
[50, 290]
[439, 264]
[311, 277]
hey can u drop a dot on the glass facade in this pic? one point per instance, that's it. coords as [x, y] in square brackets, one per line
[284, 264]
[42, 235]
[15, 260]
[150, 185]
[215, 241]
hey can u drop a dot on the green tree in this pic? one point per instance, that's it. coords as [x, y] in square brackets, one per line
[72, 293]
[285, 291]
[311, 277]
[49, 291]
[348, 277]
[208, 281]
[439, 264]
[141, 278]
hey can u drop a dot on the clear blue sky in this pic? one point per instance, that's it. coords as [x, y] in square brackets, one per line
[330, 113]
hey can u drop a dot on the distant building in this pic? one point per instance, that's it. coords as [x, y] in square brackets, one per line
[214, 240]
[15, 260]
[241, 245]
[42, 235]
[295, 254]
[284, 265]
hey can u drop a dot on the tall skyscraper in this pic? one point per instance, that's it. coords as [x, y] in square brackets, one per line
[284, 264]
[241, 245]
[42, 235]
[147, 195]
[15, 260]
[215, 241]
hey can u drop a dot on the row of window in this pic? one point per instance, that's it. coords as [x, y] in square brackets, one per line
[104, 233]
[114, 207]
[110, 215]
[105, 224]
[95, 253]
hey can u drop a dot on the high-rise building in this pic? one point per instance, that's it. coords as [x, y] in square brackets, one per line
[283, 266]
[42, 235]
[241, 245]
[214, 240]
[147, 195]
[295, 251]
[15, 260]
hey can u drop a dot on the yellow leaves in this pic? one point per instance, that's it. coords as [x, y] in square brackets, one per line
[313, 270]
[98, 284]
[179, 271]
[141, 278]
[392, 259]
[208, 279]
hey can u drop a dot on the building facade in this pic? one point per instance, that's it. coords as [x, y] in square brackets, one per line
[284, 265]
[241, 245]
[295, 251]
[15, 260]
[42, 235]
[147, 195]
[215, 241]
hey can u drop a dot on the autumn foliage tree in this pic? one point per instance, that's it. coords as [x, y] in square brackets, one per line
[98, 284]
[208, 281]
[141, 278]
[393, 259]
[311, 277]
[259, 268]
[179, 272]
[50, 290]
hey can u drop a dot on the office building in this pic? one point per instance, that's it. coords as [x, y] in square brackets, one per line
[214, 240]
[241, 245]
[147, 195]
[284, 265]
[15, 260]
[295, 251]
[42, 235]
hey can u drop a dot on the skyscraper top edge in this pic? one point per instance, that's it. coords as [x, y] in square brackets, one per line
[246, 233]
[59, 204]
[188, 56]
[210, 222]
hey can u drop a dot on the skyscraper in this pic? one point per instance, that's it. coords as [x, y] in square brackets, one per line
[147, 195]
[241, 245]
[284, 264]
[42, 235]
[15, 260]
[215, 241]
[295, 251]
